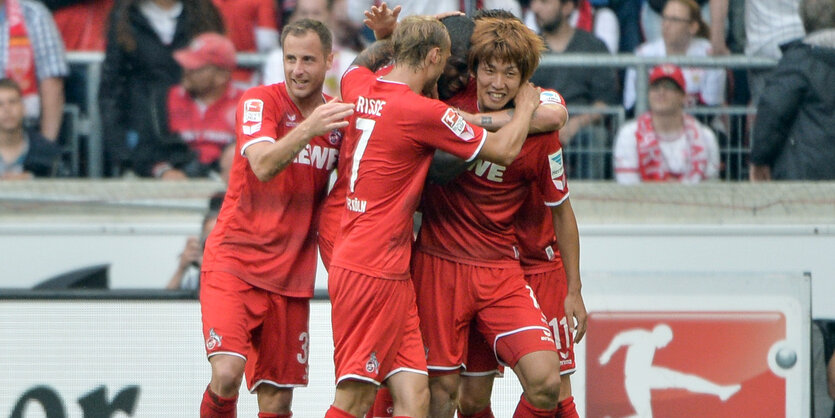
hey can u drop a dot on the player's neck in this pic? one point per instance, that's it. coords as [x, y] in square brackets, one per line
[414, 78]
[308, 104]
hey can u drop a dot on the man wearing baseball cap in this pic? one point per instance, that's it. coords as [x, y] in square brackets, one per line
[665, 144]
[201, 109]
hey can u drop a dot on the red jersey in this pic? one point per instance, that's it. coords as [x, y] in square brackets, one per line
[470, 220]
[389, 144]
[538, 250]
[207, 130]
[266, 231]
[335, 202]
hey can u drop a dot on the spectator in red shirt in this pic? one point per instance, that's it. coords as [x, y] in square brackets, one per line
[201, 109]
[252, 27]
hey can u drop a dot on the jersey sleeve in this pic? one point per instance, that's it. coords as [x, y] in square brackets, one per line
[444, 128]
[552, 180]
[255, 119]
[354, 76]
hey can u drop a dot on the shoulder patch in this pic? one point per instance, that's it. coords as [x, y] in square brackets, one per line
[456, 123]
[253, 116]
[555, 161]
[550, 97]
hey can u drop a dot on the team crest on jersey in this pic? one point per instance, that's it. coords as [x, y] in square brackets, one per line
[214, 340]
[335, 137]
[550, 97]
[456, 123]
[372, 365]
[253, 116]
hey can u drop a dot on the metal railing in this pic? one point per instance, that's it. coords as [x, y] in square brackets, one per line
[90, 126]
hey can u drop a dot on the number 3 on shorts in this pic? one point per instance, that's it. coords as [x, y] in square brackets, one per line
[366, 126]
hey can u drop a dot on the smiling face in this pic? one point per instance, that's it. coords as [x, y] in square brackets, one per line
[305, 65]
[498, 82]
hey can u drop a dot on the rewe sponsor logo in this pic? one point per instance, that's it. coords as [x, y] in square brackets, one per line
[323, 158]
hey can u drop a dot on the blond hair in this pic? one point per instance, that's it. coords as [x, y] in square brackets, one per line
[415, 36]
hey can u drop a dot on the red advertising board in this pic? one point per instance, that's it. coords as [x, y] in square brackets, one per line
[684, 364]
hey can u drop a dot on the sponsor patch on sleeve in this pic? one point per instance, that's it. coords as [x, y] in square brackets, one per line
[555, 160]
[456, 123]
[550, 97]
[253, 116]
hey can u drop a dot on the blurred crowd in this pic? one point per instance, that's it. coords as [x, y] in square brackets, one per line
[170, 81]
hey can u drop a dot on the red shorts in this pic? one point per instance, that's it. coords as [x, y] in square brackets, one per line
[375, 327]
[235, 317]
[451, 295]
[325, 251]
[550, 289]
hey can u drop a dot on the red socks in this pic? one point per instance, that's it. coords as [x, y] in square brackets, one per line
[484, 413]
[334, 412]
[383, 405]
[567, 408]
[213, 406]
[273, 415]
[525, 410]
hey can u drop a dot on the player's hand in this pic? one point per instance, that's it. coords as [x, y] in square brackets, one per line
[575, 312]
[381, 20]
[328, 117]
[191, 253]
[527, 99]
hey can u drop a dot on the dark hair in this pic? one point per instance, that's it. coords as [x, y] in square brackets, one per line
[817, 14]
[301, 27]
[199, 16]
[494, 14]
[8, 83]
[460, 29]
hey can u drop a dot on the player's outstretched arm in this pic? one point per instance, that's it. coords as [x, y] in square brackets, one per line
[504, 145]
[376, 56]
[268, 159]
[568, 239]
[548, 117]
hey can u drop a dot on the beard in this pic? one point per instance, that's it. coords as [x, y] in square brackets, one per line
[552, 25]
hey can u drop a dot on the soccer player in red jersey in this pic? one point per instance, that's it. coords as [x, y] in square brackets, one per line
[260, 259]
[467, 246]
[389, 145]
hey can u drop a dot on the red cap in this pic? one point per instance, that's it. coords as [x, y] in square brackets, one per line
[668, 71]
[205, 49]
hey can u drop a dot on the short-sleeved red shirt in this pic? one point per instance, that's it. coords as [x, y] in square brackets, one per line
[470, 220]
[389, 144]
[266, 231]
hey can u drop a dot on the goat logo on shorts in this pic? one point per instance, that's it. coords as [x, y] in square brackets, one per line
[214, 340]
[372, 365]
